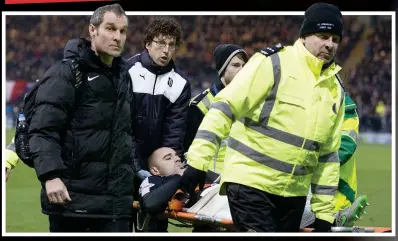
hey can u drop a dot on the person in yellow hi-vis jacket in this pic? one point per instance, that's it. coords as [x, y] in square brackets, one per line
[287, 111]
[349, 205]
[229, 60]
[11, 159]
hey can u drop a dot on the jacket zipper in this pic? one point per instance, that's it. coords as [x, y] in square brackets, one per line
[152, 112]
[117, 109]
[111, 147]
[117, 165]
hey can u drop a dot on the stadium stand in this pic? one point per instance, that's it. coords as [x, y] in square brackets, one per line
[33, 43]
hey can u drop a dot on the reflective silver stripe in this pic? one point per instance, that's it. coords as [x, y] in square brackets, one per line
[351, 134]
[11, 146]
[208, 136]
[266, 160]
[270, 99]
[323, 190]
[331, 157]
[266, 130]
[342, 88]
[342, 96]
[282, 135]
[206, 102]
[224, 108]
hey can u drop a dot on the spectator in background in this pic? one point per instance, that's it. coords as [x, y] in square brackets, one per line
[30, 48]
[370, 82]
[381, 114]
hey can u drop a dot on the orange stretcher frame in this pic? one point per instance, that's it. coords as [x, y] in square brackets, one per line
[228, 224]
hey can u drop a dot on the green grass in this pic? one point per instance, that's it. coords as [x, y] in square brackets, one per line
[374, 179]
[374, 170]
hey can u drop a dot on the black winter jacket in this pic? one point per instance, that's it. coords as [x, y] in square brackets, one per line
[84, 136]
[161, 99]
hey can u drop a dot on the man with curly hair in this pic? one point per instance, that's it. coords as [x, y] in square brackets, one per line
[161, 94]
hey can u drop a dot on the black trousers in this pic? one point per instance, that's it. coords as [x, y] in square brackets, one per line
[133, 220]
[253, 210]
[63, 224]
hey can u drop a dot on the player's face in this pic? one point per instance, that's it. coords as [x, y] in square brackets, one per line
[170, 162]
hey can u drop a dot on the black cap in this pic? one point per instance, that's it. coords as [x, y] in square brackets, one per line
[322, 18]
[224, 53]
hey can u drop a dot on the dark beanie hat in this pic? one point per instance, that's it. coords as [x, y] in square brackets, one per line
[224, 53]
[322, 17]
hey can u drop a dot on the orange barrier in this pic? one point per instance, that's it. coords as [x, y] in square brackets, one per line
[228, 224]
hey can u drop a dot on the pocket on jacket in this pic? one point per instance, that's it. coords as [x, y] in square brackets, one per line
[289, 99]
[326, 119]
[289, 113]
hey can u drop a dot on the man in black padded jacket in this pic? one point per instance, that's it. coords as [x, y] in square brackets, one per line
[81, 137]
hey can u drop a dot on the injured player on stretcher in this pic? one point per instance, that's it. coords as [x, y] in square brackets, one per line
[156, 192]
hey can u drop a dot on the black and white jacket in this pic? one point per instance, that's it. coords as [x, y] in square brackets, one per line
[161, 100]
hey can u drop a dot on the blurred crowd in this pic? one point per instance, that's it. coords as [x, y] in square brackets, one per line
[33, 43]
[370, 83]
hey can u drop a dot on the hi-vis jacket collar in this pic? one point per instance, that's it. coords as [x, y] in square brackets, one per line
[315, 64]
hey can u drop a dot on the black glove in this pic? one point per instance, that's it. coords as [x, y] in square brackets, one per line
[322, 226]
[191, 178]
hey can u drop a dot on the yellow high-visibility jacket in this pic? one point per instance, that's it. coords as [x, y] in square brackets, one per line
[198, 108]
[12, 158]
[347, 189]
[289, 114]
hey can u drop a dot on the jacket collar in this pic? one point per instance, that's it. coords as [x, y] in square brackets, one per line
[148, 63]
[217, 87]
[81, 48]
[315, 64]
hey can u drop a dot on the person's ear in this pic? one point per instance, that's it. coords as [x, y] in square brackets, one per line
[155, 171]
[148, 45]
[92, 30]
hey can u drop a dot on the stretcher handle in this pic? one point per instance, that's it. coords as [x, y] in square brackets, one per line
[143, 220]
[355, 229]
[227, 222]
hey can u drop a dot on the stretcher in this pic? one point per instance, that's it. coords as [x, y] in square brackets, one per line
[212, 209]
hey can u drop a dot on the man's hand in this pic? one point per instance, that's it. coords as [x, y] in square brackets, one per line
[191, 178]
[57, 192]
[142, 174]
